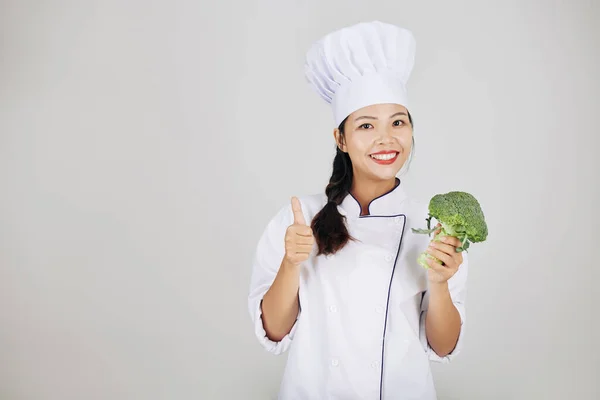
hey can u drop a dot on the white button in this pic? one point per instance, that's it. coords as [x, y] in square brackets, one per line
[406, 341]
[379, 309]
[334, 362]
[388, 258]
[375, 364]
[329, 256]
[333, 308]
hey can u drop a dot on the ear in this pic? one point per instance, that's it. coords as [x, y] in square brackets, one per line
[339, 140]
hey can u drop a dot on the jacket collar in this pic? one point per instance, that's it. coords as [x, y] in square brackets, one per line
[388, 204]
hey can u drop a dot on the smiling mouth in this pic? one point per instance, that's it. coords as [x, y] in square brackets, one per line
[385, 157]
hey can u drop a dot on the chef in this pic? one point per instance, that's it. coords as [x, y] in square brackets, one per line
[335, 280]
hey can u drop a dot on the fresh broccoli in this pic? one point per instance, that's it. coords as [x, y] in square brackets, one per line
[459, 215]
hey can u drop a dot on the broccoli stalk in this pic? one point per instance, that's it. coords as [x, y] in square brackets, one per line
[460, 216]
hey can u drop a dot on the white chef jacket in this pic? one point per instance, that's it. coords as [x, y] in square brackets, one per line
[336, 345]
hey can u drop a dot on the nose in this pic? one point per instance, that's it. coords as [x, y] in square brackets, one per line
[385, 136]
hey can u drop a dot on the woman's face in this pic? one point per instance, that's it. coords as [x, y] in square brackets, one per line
[378, 139]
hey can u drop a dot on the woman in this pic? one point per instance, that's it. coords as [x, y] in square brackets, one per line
[335, 280]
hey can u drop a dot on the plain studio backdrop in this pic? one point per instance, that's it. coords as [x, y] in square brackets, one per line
[145, 145]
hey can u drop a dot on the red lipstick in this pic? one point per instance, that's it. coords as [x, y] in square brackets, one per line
[386, 157]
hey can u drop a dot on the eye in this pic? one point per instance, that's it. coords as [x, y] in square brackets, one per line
[364, 126]
[398, 122]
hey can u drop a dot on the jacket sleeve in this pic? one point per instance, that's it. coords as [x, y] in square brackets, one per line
[267, 260]
[457, 286]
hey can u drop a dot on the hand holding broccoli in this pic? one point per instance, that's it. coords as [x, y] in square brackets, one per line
[441, 257]
[461, 222]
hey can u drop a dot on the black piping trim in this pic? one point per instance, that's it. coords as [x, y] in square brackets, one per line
[388, 294]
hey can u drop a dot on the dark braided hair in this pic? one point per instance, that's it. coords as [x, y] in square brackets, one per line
[328, 225]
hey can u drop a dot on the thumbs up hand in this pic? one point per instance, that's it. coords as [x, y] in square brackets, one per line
[299, 238]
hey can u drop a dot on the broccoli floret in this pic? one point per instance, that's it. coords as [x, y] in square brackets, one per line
[459, 215]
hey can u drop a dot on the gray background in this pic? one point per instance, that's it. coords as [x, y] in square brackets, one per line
[144, 146]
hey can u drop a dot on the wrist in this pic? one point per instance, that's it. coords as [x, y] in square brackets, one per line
[290, 266]
[439, 287]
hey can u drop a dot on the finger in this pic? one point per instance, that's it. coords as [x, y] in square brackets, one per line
[446, 248]
[443, 257]
[293, 245]
[451, 240]
[297, 209]
[304, 249]
[436, 266]
[304, 240]
[302, 230]
[300, 255]
[458, 259]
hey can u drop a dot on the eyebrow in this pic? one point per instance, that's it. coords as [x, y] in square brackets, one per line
[369, 117]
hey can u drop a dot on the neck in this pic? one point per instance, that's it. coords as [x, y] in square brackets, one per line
[366, 190]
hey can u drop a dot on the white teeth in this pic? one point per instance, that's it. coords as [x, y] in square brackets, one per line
[384, 156]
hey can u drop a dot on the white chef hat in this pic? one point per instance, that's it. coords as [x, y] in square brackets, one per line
[360, 65]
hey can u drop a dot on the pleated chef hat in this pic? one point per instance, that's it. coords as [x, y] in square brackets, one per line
[361, 65]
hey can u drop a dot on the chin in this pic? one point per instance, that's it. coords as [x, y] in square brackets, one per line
[385, 175]
[381, 173]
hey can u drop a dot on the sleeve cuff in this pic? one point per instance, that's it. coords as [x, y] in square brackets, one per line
[275, 347]
[433, 356]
